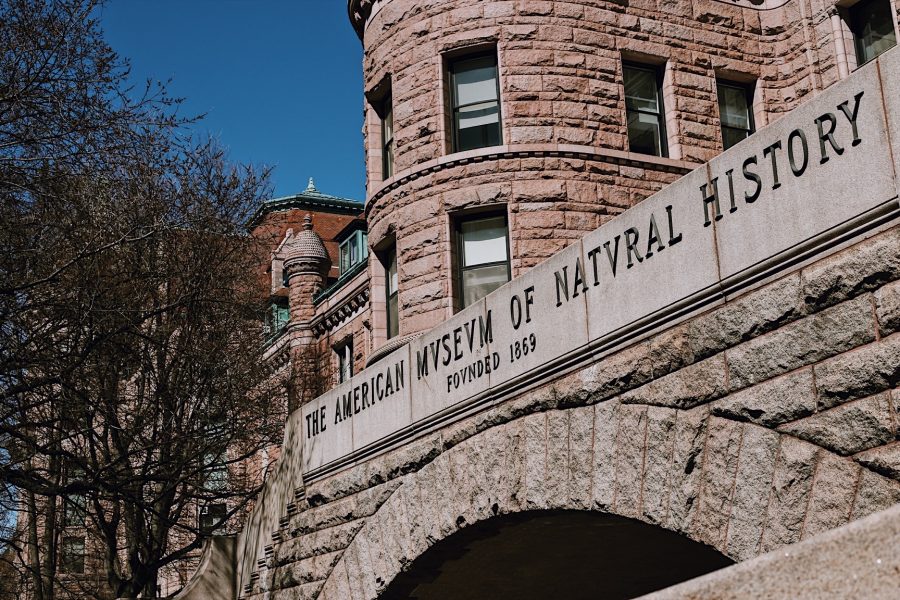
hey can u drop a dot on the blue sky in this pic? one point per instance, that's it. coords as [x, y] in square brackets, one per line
[279, 80]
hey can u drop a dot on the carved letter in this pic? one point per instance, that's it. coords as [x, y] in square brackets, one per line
[631, 238]
[851, 116]
[823, 136]
[771, 150]
[798, 134]
[751, 176]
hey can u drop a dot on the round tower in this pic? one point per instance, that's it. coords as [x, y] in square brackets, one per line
[497, 133]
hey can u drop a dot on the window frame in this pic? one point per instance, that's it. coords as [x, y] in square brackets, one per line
[387, 144]
[344, 352]
[204, 512]
[450, 65]
[748, 90]
[359, 237]
[659, 76]
[459, 247]
[850, 11]
[391, 258]
[69, 563]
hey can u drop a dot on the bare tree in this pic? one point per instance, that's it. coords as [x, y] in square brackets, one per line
[130, 357]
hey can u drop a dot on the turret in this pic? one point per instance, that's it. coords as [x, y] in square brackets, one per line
[306, 264]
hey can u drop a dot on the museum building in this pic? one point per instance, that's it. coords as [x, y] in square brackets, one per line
[621, 308]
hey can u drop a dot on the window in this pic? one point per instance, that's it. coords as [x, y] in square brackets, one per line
[644, 109]
[74, 512]
[72, 555]
[872, 25]
[353, 250]
[345, 361]
[211, 517]
[391, 287]
[483, 257]
[277, 318]
[735, 104]
[387, 138]
[475, 102]
[75, 505]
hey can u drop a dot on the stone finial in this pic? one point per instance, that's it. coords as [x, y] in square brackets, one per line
[311, 186]
[306, 253]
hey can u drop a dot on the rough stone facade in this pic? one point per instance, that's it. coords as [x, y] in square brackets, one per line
[753, 423]
[749, 427]
[564, 166]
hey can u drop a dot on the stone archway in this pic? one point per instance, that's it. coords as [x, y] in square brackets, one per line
[534, 555]
[738, 487]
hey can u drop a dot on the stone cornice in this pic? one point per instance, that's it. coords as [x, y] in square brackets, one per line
[359, 11]
[330, 319]
[528, 151]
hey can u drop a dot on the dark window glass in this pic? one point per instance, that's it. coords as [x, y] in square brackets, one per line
[211, 516]
[345, 361]
[277, 318]
[735, 103]
[483, 257]
[74, 512]
[353, 250]
[72, 556]
[644, 109]
[475, 99]
[872, 25]
[387, 139]
[391, 287]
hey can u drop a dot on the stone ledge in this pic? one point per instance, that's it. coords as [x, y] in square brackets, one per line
[528, 151]
[858, 560]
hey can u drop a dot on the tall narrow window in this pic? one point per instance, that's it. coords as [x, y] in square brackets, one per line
[387, 138]
[71, 558]
[872, 24]
[644, 108]
[483, 257]
[353, 250]
[475, 102]
[391, 287]
[344, 354]
[74, 511]
[735, 103]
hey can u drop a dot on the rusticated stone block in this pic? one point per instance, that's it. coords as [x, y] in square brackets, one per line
[612, 375]
[655, 490]
[887, 307]
[686, 388]
[630, 446]
[337, 586]
[860, 268]
[848, 428]
[606, 429]
[832, 494]
[771, 402]
[874, 493]
[720, 464]
[557, 467]
[814, 338]
[534, 432]
[790, 494]
[747, 317]
[581, 445]
[752, 485]
[884, 460]
[690, 437]
[868, 370]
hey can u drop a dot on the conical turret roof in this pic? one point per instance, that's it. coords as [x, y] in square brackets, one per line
[306, 245]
